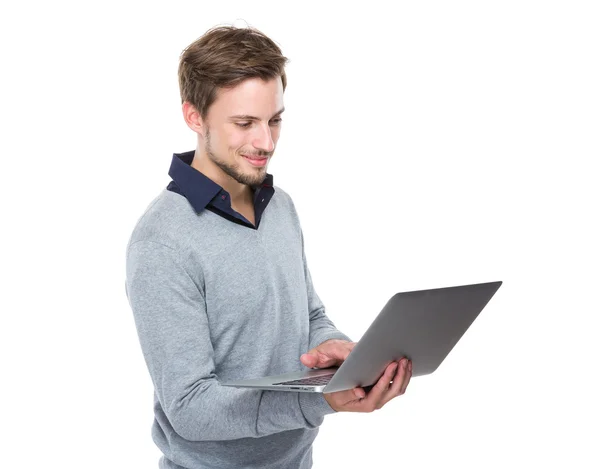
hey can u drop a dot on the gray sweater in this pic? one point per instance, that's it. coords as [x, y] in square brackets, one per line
[214, 301]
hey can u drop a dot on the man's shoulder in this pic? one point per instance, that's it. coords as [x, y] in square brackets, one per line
[165, 220]
[282, 197]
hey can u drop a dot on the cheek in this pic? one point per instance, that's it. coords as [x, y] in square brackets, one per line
[226, 139]
[237, 140]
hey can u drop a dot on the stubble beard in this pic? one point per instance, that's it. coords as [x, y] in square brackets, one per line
[233, 170]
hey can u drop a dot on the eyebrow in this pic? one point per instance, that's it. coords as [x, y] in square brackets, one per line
[252, 118]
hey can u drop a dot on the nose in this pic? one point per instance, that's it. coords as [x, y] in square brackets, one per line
[264, 139]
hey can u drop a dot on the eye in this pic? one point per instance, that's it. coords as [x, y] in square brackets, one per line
[276, 121]
[243, 125]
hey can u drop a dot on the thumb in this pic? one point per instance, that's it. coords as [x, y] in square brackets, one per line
[309, 359]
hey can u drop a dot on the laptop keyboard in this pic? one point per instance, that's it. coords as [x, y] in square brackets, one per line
[316, 381]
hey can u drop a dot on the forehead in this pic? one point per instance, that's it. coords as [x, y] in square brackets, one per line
[253, 97]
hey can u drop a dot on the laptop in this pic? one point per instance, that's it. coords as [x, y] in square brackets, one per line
[422, 325]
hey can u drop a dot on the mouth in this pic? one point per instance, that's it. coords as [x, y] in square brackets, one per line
[256, 160]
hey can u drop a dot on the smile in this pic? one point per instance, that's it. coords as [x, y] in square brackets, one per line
[259, 162]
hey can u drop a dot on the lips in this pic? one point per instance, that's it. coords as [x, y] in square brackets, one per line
[252, 157]
[256, 161]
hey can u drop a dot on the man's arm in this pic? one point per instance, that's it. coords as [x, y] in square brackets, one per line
[172, 324]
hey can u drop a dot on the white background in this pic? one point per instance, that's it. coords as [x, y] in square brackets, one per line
[425, 145]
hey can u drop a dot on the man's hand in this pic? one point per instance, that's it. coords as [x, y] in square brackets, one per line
[333, 352]
[356, 400]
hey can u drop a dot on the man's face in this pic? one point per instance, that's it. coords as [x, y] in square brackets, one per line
[242, 128]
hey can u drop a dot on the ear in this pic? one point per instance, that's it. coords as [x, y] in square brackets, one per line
[192, 118]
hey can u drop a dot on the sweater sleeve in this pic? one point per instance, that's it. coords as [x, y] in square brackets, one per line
[170, 316]
[321, 327]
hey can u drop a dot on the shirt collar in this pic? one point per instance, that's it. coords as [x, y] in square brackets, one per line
[198, 188]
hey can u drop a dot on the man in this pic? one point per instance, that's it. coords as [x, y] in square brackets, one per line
[218, 281]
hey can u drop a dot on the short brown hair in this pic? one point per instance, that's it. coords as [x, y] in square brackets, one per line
[224, 57]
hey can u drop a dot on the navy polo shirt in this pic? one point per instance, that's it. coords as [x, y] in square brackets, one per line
[203, 193]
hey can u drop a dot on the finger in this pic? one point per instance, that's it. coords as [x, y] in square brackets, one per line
[317, 359]
[330, 353]
[398, 382]
[407, 378]
[309, 360]
[376, 395]
[359, 393]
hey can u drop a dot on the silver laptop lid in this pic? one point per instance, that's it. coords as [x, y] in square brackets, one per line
[422, 325]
